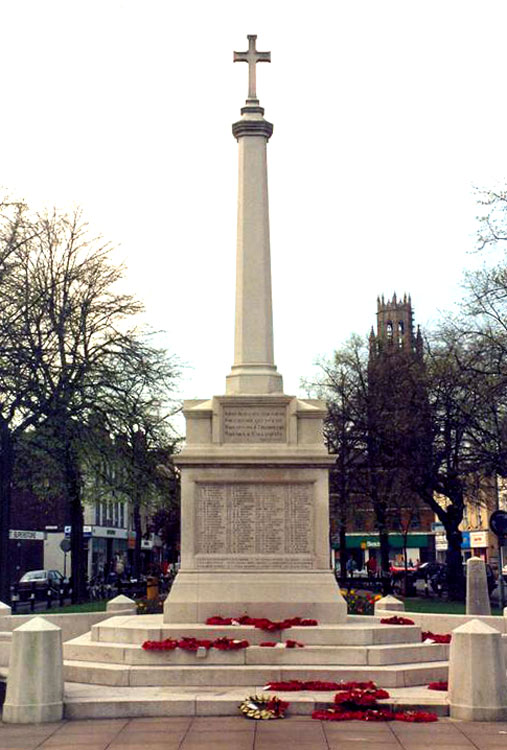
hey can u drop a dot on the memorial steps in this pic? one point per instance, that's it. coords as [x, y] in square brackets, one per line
[112, 655]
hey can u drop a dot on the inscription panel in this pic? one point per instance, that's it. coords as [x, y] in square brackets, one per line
[254, 525]
[254, 424]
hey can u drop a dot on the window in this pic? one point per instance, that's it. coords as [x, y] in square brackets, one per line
[389, 329]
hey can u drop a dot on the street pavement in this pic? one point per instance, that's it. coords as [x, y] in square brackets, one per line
[238, 733]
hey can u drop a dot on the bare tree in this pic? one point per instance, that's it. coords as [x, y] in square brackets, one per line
[67, 337]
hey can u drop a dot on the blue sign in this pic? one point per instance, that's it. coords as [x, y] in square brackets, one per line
[465, 544]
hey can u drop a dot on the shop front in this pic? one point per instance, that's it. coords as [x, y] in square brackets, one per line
[106, 546]
[480, 543]
[362, 547]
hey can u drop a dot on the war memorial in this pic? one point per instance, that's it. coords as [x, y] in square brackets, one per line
[254, 547]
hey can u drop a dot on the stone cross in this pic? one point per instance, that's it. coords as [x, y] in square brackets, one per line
[252, 57]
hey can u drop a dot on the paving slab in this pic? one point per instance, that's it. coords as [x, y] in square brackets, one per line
[238, 733]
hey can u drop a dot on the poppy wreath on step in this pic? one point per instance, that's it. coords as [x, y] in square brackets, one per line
[396, 620]
[263, 623]
[193, 644]
[361, 704]
[318, 686]
[427, 635]
[440, 685]
[263, 707]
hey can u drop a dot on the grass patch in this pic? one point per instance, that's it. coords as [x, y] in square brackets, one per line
[437, 606]
[71, 609]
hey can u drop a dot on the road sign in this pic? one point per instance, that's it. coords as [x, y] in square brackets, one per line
[65, 545]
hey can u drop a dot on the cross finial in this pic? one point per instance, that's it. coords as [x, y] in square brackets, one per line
[252, 56]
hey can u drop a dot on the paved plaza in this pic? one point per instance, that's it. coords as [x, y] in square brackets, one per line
[237, 733]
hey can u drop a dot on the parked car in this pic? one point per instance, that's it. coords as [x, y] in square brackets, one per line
[426, 570]
[39, 582]
[439, 581]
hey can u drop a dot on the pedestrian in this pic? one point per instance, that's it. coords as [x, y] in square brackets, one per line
[371, 567]
[351, 566]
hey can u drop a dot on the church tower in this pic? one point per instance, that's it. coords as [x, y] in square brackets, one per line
[395, 329]
[398, 418]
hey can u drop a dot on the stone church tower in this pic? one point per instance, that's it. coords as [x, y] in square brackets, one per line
[395, 329]
[399, 430]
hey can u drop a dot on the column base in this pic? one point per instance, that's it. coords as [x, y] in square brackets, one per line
[197, 595]
[251, 379]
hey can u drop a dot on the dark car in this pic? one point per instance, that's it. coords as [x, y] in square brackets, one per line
[426, 570]
[40, 582]
[439, 581]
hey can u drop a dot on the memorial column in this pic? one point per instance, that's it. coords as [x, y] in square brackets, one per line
[254, 369]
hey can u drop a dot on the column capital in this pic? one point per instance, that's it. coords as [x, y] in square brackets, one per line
[252, 127]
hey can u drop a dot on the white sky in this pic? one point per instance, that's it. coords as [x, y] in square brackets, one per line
[386, 115]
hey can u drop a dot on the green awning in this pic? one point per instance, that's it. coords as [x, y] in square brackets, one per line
[371, 541]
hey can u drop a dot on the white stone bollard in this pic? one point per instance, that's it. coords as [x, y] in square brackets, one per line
[477, 588]
[122, 603]
[389, 602]
[477, 678]
[35, 682]
[5, 610]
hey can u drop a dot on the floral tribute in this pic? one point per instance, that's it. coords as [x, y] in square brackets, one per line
[193, 644]
[427, 635]
[288, 644]
[263, 623]
[360, 602]
[441, 685]
[361, 703]
[397, 620]
[319, 685]
[263, 707]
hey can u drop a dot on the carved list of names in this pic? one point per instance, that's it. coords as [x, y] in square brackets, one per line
[254, 424]
[247, 525]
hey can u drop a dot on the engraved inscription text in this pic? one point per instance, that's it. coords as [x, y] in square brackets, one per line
[259, 525]
[254, 424]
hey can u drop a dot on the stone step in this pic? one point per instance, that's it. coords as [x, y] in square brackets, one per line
[212, 676]
[84, 649]
[136, 630]
[97, 702]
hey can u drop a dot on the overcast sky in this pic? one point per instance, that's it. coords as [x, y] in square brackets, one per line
[386, 114]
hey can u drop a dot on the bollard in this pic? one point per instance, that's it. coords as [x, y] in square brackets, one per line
[35, 682]
[477, 679]
[477, 588]
[389, 602]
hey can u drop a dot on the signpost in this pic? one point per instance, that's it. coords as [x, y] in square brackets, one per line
[498, 525]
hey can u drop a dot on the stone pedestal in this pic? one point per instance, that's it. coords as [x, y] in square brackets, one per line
[477, 679]
[255, 518]
[35, 682]
[477, 588]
